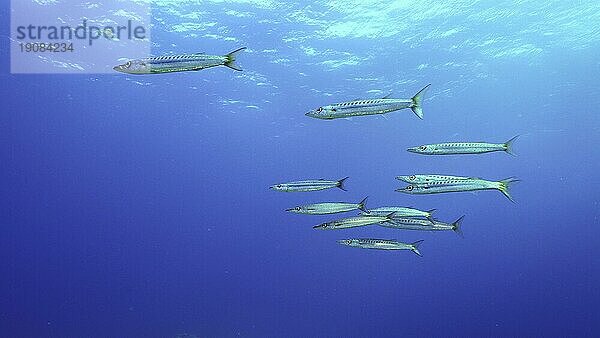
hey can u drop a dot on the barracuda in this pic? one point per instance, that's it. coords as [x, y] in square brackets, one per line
[179, 63]
[309, 185]
[328, 208]
[423, 225]
[353, 222]
[455, 148]
[381, 244]
[424, 179]
[369, 107]
[401, 212]
[460, 186]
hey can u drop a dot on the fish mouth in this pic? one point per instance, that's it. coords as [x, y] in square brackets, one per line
[412, 150]
[120, 69]
[320, 226]
[290, 209]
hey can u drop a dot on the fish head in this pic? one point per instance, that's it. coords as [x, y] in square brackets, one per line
[324, 113]
[133, 67]
[410, 189]
[324, 226]
[278, 187]
[423, 149]
[407, 178]
[347, 242]
[297, 209]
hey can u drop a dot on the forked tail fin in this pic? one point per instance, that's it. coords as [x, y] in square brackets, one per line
[390, 216]
[417, 102]
[429, 216]
[415, 247]
[340, 183]
[504, 187]
[231, 59]
[509, 145]
[362, 204]
[456, 226]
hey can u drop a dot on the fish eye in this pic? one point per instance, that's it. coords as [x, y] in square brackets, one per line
[423, 147]
[279, 186]
[409, 188]
[128, 64]
[412, 177]
[297, 208]
[320, 109]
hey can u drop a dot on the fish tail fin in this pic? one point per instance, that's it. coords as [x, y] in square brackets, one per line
[390, 216]
[231, 59]
[362, 204]
[430, 217]
[456, 226]
[415, 248]
[504, 187]
[417, 101]
[340, 183]
[509, 145]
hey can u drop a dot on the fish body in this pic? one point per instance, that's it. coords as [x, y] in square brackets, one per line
[460, 185]
[179, 63]
[424, 225]
[381, 244]
[309, 185]
[369, 107]
[454, 148]
[328, 208]
[353, 222]
[400, 212]
[424, 179]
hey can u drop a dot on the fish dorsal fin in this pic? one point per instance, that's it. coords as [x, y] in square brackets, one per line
[387, 96]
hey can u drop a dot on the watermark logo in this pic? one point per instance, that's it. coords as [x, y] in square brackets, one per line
[68, 36]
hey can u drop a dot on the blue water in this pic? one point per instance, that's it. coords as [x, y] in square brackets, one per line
[139, 206]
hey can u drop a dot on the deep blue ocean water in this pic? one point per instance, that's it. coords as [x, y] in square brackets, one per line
[139, 206]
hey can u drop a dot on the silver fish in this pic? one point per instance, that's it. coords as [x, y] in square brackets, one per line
[353, 222]
[381, 244]
[309, 185]
[369, 107]
[328, 208]
[454, 148]
[424, 179]
[400, 212]
[424, 225]
[459, 186]
[179, 63]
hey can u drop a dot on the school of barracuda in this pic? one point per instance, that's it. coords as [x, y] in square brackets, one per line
[393, 217]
